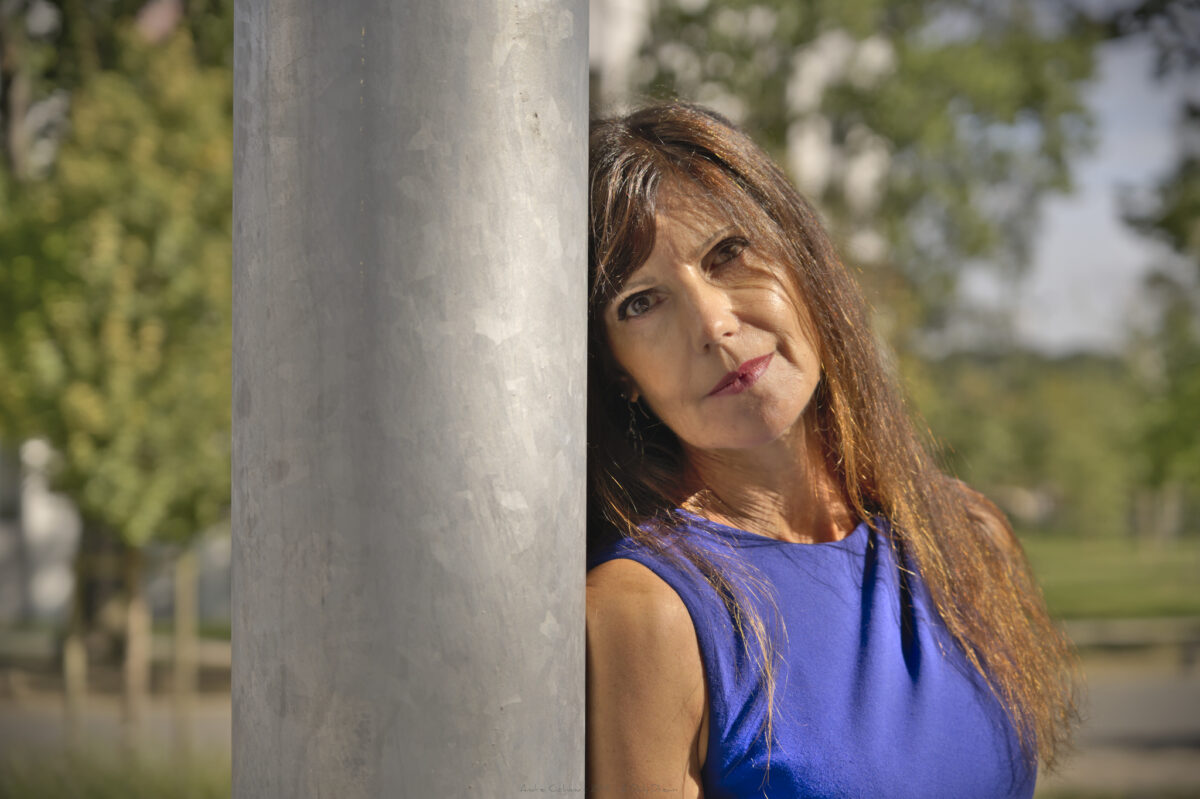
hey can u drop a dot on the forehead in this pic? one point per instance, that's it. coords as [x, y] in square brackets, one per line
[686, 204]
[684, 220]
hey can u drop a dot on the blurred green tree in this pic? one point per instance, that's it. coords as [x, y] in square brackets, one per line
[1168, 350]
[1053, 441]
[927, 132]
[115, 295]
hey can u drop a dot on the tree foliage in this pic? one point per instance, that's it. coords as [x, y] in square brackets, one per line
[1169, 210]
[1052, 439]
[115, 297]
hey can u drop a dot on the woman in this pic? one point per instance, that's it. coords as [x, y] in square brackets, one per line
[785, 596]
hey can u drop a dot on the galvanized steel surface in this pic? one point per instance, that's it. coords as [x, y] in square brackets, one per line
[409, 349]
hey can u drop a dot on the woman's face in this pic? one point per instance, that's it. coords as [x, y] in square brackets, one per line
[706, 334]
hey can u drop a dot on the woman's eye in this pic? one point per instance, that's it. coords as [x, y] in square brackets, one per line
[636, 305]
[728, 250]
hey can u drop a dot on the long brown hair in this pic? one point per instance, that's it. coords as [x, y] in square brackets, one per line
[960, 543]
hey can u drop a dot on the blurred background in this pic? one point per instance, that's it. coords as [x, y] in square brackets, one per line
[1015, 183]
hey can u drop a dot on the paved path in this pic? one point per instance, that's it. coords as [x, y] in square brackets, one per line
[36, 725]
[1141, 731]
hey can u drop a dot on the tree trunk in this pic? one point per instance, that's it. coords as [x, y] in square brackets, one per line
[185, 665]
[16, 81]
[83, 35]
[1160, 513]
[1170, 520]
[136, 668]
[74, 656]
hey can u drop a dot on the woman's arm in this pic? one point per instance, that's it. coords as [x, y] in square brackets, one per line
[645, 686]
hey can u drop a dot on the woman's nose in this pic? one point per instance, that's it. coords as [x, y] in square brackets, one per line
[712, 313]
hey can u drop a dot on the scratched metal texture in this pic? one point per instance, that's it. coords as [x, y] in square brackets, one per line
[408, 397]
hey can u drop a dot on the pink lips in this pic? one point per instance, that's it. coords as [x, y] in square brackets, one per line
[743, 377]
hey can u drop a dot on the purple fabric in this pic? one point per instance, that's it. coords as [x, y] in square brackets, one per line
[874, 698]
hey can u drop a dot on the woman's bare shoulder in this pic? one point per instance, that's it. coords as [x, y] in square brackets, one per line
[631, 611]
[627, 580]
[646, 695]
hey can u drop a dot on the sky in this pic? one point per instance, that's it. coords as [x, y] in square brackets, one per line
[1082, 289]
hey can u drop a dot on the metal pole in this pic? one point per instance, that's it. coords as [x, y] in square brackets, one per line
[409, 346]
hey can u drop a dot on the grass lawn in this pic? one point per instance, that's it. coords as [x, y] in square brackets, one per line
[1117, 578]
[94, 776]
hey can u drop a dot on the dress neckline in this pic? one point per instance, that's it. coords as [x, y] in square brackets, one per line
[855, 539]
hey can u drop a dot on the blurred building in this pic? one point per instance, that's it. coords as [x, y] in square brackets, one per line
[40, 536]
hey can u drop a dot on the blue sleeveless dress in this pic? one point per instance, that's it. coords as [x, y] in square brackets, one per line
[873, 699]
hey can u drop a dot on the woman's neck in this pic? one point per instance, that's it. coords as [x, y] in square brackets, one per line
[784, 490]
